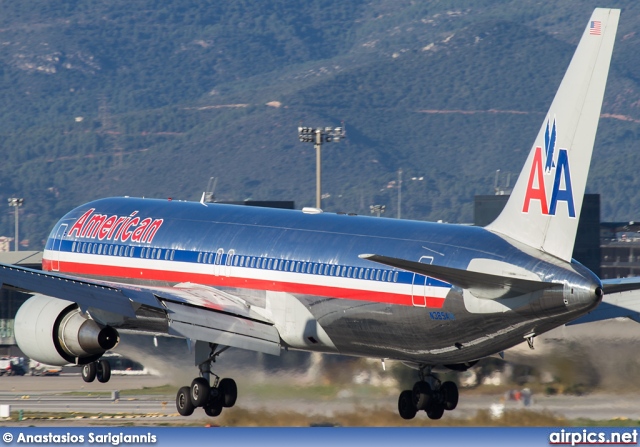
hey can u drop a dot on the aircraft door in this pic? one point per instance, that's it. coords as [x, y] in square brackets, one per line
[228, 263]
[57, 244]
[418, 287]
[217, 266]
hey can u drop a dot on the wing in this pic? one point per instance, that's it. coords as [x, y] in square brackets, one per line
[187, 310]
[621, 299]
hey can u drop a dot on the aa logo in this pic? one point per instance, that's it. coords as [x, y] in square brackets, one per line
[547, 166]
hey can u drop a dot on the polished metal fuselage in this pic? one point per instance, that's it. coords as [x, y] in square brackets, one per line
[464, 327]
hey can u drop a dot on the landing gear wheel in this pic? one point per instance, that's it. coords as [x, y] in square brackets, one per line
[422, 395]
[435, 410]
[406, 407]
[449, 392]
[183, 401]
[229, 392]
[103, 371]
[200, 391]
[213, 407]
[89, 372]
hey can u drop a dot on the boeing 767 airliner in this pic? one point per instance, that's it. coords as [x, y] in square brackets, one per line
[426, 294]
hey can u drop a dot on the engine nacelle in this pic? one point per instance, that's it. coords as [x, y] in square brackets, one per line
[56, 332]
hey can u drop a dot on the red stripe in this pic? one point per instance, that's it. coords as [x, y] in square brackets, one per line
[76, 268]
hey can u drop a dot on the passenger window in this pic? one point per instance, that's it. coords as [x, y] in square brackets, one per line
[172, 253]
[384, 275]
[377, 275]
[73, 247]
[199, 257]
[315, 268]
[333, 270]
[349, 272]
[270, 264]
[395, 277]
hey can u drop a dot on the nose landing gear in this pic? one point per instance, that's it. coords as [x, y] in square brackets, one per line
[211, 396]
[428, 394]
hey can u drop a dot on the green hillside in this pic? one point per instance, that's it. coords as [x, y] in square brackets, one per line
[151, 98]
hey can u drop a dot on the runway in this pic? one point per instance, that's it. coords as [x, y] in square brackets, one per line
[69, 394]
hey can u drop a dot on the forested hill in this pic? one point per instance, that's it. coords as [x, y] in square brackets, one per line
[151, 98]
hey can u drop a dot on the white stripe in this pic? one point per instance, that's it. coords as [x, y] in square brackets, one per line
[250, 273]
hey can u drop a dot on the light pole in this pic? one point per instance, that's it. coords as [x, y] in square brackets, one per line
[318, 136]
[419, 179]
[377, 209]
[17, 203]
[399, 192]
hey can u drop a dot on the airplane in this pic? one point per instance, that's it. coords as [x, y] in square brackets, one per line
[430, 295]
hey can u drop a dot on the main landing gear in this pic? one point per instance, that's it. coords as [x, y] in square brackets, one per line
[100, 370]
[428, 394]
[212, 397]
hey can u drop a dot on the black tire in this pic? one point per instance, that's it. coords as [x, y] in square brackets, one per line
[89, 372]
[200, 391]
[183, 401]
[435, 411]
[422, 395]
[449, 395]
[406, 407]
[103, 371]
[229, 392]
[213, 407]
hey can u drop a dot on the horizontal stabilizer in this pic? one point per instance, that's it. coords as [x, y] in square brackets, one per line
[618, 285]
[482, 285]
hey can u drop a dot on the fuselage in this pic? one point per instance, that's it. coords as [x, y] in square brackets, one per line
[269, 257]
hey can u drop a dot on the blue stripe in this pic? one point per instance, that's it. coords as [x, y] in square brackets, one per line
[199, 257]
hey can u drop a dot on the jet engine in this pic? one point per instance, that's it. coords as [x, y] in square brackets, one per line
[56, 332]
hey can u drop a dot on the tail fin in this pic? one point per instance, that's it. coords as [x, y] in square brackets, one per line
[544, 207]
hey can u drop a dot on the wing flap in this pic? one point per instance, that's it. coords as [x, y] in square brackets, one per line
[224, 329]
[483, 285]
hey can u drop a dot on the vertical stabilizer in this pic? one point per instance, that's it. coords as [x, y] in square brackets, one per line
[544, 207]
